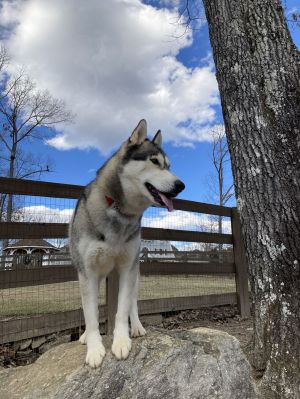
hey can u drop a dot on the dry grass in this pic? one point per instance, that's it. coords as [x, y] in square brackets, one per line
[65, 296]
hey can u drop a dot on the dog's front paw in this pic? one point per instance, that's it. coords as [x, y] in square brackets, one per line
[121, 347]
[137, 331]
[82, 339]
[95, 355]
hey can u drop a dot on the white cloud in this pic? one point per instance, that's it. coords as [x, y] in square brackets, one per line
[178, 220]
[44, 214]
[181, 220]
[113, 62]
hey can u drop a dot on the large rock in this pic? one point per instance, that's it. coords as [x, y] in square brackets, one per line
[200, 363]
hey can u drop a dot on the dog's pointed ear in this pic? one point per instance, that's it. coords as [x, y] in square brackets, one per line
[157, 139]
[139, 134]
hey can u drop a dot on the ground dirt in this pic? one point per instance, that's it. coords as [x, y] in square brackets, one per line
[224, 318]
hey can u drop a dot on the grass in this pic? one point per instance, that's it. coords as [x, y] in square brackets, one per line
[66, 296]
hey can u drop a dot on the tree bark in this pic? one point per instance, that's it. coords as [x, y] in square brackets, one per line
[9, 209]
[258, 72]
[220, 218]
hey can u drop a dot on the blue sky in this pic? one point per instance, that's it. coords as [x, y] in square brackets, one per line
[126, 83]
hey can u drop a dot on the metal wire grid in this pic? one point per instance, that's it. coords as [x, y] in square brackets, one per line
[184, 285]
[171, 286]
[59, 210]
[43, 298]
[61, 296]
[40, 209]
[183, 220]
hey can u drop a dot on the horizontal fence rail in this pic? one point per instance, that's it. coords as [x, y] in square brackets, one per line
[39, 188]
[24, 277]
[60, 230]
[22, 328]
[14, 275]
[59, 190]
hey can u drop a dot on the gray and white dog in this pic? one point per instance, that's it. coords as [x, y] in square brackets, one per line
[105, 233]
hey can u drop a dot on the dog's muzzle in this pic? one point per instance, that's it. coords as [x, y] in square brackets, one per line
[178, 187]
[165, 198]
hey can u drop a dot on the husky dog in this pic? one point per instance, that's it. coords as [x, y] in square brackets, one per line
[105, 233]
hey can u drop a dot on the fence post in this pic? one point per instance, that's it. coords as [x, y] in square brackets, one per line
[112, 291]
[241, 273]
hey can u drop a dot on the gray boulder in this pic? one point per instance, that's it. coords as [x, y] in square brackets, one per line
[196, 364]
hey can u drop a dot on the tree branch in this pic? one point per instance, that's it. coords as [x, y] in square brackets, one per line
[35, 172]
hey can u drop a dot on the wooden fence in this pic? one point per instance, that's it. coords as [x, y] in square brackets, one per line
[13, 329]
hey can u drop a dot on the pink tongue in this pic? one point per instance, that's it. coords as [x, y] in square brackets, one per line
[168, 202]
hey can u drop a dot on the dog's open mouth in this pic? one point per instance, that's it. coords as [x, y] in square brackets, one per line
[159, 197]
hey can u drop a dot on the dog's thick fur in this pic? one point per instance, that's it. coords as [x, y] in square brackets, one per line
[105, 234]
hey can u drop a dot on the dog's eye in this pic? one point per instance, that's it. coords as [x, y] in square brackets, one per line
[154, 161]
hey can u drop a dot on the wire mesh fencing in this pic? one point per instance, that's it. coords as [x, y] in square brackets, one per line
[187, 260]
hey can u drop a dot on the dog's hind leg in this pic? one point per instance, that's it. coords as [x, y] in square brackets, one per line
[137, 330]
[122, 343]
[89, 287]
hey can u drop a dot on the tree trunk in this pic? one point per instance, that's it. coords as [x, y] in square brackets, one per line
[221, 183]
[258, 71]
[11, 172]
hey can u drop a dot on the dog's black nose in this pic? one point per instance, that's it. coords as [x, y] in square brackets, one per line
[179, 186]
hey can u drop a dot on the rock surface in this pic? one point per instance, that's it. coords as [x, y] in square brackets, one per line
[200, 363]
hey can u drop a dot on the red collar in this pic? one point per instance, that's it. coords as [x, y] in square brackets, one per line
[109, 200]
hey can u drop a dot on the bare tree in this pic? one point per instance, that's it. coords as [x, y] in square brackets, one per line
[26, 165]
[24, 110]
[3, 62]
[221, 161]
[4, 58]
